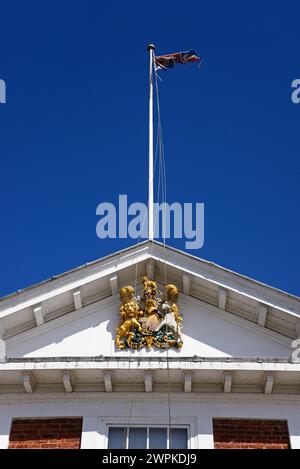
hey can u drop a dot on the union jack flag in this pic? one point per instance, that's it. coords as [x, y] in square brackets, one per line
[163, 62]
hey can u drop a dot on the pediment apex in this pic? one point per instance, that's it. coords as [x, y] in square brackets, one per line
[196, 277]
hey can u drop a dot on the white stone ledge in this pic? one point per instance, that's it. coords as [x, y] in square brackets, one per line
[124, 396]
[150, 364]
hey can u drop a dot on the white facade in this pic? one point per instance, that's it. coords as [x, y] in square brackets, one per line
[60, 357]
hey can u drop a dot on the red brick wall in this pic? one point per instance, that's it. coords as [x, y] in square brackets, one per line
[54, 433]
[250, 434]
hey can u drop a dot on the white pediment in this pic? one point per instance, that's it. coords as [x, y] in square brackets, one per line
[90, 332]
[75, 314]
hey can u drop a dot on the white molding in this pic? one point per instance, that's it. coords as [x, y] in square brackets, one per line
[2, 330]
[229, 280]
[68, 381]
[149, 250]
[130, 364]
[39, 314]
[227, 382]
[89, 435]
[186, 283]
[99, 269]
[2, 351]
[191, 423]
[150, 269]
[148, 380]
[268, 384]
[222, 298]
[262, 311]
[238, 320]
[77, 299]
[195, 397]
[28, 382]
[108, 381]
[113, 282]
[182, 262]
[187, 379]
[98, 306]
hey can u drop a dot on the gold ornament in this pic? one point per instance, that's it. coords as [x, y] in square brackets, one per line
[172, 319]
[151, 320]
[129, 311]
[150, 288]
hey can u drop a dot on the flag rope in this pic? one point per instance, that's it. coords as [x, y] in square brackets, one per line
[160, 62]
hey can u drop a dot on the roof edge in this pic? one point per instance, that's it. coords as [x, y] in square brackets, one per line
[143, 244]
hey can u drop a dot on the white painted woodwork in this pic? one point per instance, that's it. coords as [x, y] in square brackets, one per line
[262, 311]
[113, 284]
[222, 298]
[186, 283]
[39, 315]
[2, 330]
[28, 382]
[196, 414]
[227, 382]
[207, 332]
[2, 343]
[77, 299]
[148, 379]
[188, 382]
[150, 269]
[208, 273]
[68, 381]
[268, 384]
[200, 389]
[108, 381]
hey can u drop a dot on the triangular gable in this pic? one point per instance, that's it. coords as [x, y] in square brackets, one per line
[261, 318]
[90, 331]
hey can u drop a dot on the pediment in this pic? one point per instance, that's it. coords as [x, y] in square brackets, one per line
[91, 331]
[76, 313]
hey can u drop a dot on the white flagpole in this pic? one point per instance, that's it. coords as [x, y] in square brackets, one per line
[150, 49]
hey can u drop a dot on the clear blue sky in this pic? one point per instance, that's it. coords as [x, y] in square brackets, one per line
[74, 129]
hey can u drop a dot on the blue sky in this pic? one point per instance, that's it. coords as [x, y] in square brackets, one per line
[74, 130]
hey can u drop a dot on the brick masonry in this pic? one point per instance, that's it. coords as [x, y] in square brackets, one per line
[250, 434]
[54, 433]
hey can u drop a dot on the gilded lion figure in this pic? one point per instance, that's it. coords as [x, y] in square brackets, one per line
[130, 314]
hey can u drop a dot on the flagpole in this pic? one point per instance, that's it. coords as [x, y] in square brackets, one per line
[150, 49]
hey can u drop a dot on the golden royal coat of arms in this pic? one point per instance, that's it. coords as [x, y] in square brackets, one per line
[151, 319]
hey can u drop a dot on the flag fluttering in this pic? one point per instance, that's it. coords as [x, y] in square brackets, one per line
[163, 62]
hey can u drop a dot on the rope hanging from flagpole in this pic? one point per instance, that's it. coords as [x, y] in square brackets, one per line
[157, 166]
[159, 170]
[163, 181]
[160, 173]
